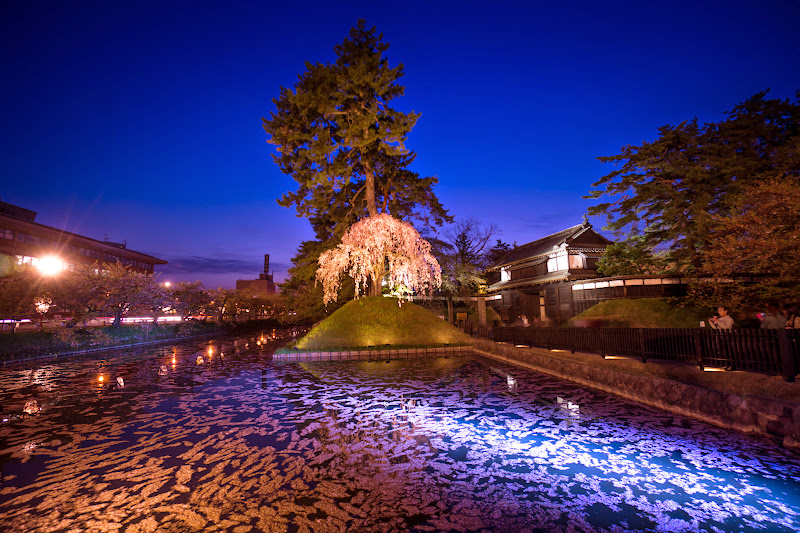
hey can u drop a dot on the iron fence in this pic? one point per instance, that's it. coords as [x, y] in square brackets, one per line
[753, 350]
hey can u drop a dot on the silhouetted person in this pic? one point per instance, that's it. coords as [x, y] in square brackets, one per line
[773, 318]
[790, 314]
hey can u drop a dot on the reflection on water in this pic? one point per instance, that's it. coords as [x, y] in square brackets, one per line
[237, 443]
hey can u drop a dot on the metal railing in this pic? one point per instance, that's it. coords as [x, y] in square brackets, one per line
[753, 350]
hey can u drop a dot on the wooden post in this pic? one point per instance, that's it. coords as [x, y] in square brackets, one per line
[788, 366]
[482, 310]
[698, 348]
[450, 318]
[640, 335]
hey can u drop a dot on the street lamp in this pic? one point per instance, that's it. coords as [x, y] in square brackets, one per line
[50, 265]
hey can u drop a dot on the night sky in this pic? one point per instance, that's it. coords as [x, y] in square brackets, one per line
[142, 120]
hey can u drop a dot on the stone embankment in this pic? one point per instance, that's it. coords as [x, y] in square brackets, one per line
[371, 355]
[747, 413]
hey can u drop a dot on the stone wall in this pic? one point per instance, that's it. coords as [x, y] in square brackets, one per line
[369, 355]
[750, 414]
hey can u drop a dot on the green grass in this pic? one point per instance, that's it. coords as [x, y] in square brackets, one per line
[642, 313]
[378, 321]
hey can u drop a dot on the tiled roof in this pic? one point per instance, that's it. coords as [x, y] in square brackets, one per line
[545, 245]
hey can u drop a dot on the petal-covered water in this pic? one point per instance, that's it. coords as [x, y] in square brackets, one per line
[216, 437]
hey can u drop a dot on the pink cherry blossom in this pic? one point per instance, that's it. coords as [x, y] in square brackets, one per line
[377, 248]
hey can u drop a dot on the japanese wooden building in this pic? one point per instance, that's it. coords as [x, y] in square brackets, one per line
[531, 280]
[550, 280]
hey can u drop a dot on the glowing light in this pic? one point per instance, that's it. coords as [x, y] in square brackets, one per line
[173, 360]
[511, 382]
[42, 304]
[101, 378]
[120, 381]
[50, 265]
[168, 284]
[31, 407]
[200, 360]
[713, 369]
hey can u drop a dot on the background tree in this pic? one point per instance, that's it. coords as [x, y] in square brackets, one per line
[17, 293]
[673, 191]
[122, 289]
[303, 294]
[632, 257]
[79, 292]
[189, 298]
[760, 236]
[498, 251]
[221, 303]
[377, 247]
[464, 256]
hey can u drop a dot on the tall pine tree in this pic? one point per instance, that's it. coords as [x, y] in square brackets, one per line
[339, 138]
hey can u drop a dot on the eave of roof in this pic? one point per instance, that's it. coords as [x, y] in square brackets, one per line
[154, 260]
[550, 277]
[544, 246]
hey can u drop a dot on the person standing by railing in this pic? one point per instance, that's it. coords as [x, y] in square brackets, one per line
[792, 320]
[772, 319]
[722, 320]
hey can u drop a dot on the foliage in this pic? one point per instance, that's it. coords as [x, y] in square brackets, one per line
[761, 236]
[673, 191]
[498, 251]
[189, 298]
[641, 313]
[302, 293]
[377, 321]
[121, 289]
[78, 292]
[375, 247]
[17, 293]
[464, 256]
[221, 302]
[630, 258]
[339, 138]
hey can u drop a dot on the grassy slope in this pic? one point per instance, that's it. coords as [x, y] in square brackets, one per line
[377, 321]
[643, 313]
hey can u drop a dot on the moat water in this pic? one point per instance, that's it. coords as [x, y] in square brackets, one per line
[235, 442]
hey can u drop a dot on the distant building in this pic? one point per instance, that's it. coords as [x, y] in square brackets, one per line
[263, 286]
[23, 241]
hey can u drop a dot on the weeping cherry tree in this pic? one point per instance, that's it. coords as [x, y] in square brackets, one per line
[376, 247]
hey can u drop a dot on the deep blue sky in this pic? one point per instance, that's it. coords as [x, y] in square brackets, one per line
[142, 120]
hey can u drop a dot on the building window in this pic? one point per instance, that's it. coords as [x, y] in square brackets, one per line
[6, 233]
[505, 275]
[577, 261]
[558, 261]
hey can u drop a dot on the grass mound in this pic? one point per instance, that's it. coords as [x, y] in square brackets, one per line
[641, 313]
[376, 321]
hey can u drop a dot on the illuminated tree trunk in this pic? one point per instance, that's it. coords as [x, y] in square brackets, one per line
[370, 191]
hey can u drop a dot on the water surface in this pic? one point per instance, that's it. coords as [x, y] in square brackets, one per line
[235, 442]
